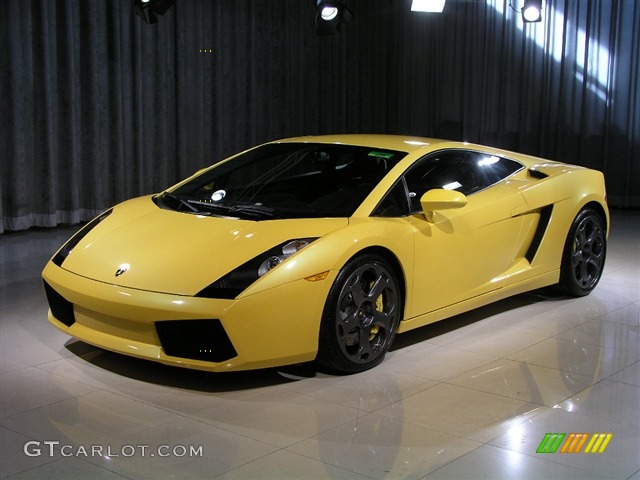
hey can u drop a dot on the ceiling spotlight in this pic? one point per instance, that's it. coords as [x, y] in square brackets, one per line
[148, 9]
[329, 13]
[330, 17]
[433, 6]
[532, 11]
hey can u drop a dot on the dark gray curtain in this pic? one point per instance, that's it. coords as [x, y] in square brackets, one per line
[97, 107]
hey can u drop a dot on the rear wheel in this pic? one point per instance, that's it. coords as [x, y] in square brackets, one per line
[584, 254]
[361, 315]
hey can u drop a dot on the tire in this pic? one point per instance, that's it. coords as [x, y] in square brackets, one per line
[583, 255]
[361, 315]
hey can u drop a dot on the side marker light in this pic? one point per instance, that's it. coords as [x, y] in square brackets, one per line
[317, 277]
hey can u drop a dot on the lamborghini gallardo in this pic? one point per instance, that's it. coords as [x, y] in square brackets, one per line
[323, 249]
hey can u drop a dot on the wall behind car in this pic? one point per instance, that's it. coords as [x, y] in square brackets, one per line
[97, 106]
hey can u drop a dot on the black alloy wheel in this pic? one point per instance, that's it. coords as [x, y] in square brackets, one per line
[584, 254]
[361, 315]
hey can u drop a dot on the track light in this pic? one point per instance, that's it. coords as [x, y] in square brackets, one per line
[151, 7]
[330, 17]
[433, 6]
[532, 11]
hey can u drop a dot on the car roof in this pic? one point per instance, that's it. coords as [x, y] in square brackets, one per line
[415, 144]
[401, 143]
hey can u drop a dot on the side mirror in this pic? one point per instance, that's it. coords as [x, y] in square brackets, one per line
[439, 199]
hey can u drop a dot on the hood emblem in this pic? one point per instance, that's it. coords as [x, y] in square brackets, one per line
[122, 269]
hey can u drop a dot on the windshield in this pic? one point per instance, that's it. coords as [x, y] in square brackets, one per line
[287, 180]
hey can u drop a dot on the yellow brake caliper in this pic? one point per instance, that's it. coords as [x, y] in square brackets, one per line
[379, 307]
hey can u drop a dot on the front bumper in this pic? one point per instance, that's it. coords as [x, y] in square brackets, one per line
[275, 327]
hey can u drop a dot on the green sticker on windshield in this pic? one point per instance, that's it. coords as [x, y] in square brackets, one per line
[381, 155]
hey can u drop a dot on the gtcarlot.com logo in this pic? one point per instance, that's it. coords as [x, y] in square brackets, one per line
[50, 448]
[574, 443]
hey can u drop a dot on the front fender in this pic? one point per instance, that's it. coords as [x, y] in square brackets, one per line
[332, 251]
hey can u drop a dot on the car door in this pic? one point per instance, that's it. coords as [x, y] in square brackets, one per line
[464, 252]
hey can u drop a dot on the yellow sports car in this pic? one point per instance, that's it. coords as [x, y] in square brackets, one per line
[323, 248]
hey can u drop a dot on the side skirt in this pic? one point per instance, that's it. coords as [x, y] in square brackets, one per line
[544, 280]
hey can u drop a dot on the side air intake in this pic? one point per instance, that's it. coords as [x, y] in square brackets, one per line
[541, 228]
[537, 173]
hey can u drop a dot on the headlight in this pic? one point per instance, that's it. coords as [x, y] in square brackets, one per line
[288, 249]
[236, 281]
[268, 264]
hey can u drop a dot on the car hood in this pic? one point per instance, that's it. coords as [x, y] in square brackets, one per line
[172, 252]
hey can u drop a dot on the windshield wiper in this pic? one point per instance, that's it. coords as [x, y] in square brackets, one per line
[246, 210]
[181, 201]
[257, 210]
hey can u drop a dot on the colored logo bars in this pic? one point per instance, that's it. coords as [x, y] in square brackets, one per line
[597, 442]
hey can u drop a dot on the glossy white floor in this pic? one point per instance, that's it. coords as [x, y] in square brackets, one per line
[471, 397]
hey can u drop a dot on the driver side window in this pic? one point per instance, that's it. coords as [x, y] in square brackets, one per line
[460, 170]
[463, 171]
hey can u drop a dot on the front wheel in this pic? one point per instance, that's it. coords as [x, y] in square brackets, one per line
[361, 315]
[584, 254]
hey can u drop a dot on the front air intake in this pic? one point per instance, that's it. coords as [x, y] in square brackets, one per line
[195, 339]
[61, 308]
